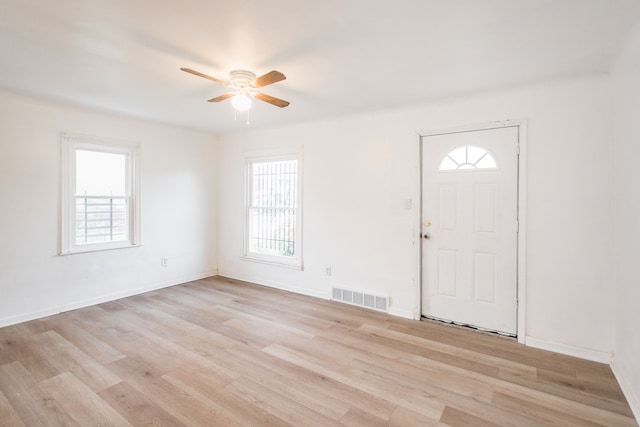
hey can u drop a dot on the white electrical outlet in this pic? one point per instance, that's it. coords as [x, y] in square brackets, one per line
[164, 262]
[327, 270]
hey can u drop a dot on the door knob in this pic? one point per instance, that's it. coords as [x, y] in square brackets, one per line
[426, 236]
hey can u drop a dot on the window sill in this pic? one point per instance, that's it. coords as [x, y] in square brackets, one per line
[88, 251]
[291, 266]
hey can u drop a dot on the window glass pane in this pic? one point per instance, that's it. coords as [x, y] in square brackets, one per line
[274, 184]
[272, 214]
[467, 166]
[100, 173]
[100, 220]
[467, 158]
[448, 164]
[487, 162]
[474, 154]
[273, 231]
[459, 155]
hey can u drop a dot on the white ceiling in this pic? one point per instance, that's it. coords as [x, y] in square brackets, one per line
[339, 56]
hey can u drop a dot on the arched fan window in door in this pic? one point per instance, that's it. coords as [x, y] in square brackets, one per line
[468, 157]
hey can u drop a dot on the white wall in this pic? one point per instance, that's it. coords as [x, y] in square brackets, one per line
[359, 170]
[626, 362]
[358, 173]
[178, 181]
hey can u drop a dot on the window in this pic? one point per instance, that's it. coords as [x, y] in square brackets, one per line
[100, 208]
[468, 157]
[273, 210]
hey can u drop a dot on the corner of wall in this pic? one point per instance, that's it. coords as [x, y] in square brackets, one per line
[632, 397]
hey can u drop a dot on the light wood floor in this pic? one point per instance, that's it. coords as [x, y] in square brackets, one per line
[217, 352]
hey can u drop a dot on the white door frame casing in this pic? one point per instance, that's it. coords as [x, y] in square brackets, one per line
[521, 124]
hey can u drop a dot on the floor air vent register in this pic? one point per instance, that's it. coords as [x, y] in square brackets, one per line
[362, 299]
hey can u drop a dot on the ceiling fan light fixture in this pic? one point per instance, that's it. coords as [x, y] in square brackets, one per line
[241, 102]
[244, 85]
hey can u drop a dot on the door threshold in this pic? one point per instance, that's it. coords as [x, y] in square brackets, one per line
[510, 337]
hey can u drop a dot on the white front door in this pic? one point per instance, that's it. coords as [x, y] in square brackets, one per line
[470, 228]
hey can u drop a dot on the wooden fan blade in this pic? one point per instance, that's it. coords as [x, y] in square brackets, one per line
[272, 100]
[267, 79]
[204, 76]
[221, 97]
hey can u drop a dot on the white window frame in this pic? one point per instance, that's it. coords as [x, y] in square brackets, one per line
[70, 143]
[294, 262]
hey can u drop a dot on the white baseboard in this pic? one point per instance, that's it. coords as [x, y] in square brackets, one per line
[274, 284]
[629, 393]
[569, 350]
[407, 314]
[12, 320]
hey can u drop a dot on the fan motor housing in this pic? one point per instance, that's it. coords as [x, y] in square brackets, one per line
[241, 78]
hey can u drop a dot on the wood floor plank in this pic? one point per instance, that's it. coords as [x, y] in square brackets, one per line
[392, 348]
[102, 320]
[136, 408]
[457, 418]
[552, 403]
[539, 414]
[71, 329]
[33, 406]
[358, 418]
[68, 358]
[316, 384]
[568, 391]
[8, 416]
[266, 330]
[275, 403]
[394, 393]
[162, 323]
[431, 380]
[178, 403]
[224, 352]
[492, 345]
[12, 343]
[533, 396]
[80, 402]
[23, 349]
[319, 401]
[212, 392]
[423, 342]
[438, 395]
[593, 385]
[406, 417]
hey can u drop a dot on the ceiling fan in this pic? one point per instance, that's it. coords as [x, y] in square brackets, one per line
[244, 84]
